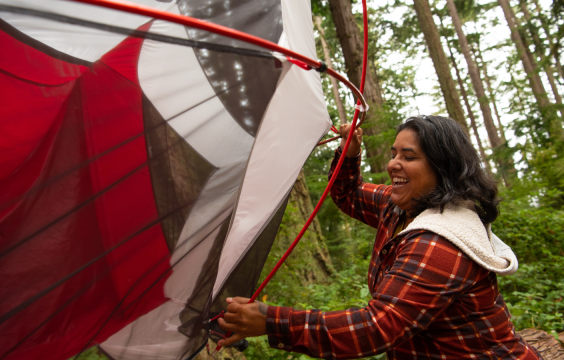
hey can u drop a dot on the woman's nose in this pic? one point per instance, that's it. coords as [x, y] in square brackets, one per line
[394, 164]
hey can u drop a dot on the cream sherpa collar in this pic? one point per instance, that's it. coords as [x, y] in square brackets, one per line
[463, 227]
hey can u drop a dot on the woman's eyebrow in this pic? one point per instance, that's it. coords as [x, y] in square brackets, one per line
[404, 149]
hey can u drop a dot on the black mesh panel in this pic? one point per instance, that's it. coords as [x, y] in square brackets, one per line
[178, 172]
[244, 84]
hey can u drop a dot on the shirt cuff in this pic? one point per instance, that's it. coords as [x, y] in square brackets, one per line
[349, 162]
[278, 327]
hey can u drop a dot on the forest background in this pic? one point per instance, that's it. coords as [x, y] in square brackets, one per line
[494, 67]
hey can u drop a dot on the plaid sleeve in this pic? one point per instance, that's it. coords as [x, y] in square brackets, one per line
[360, 200]
[428, 274]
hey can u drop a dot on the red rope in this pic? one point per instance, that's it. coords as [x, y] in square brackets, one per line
[220, 315]
[335, 172]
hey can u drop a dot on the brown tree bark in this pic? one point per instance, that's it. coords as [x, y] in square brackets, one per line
[539, 50]
[548, 347]
[470, 113]
[311, 263]
[493, 136]
[532, 74]
[484, 68]
[351, 43]
[448, 88]
[334, 82]
[553, 44]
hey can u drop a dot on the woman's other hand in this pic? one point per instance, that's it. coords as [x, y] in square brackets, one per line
[356, 141]
[243, 320]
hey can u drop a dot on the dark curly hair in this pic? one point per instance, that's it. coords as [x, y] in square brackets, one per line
[456, 165]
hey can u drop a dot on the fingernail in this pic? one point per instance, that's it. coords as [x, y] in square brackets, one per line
[229, 299]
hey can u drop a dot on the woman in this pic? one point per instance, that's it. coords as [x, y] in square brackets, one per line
[433, 268]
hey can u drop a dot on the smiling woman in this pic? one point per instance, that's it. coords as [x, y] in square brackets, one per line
[412, 176]
[434, 265]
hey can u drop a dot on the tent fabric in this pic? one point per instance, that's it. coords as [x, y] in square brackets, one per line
[142, 179]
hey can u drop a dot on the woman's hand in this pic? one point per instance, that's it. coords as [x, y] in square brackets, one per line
[243, 320]
[356, 141]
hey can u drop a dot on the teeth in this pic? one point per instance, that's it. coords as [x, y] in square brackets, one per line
[400, 180]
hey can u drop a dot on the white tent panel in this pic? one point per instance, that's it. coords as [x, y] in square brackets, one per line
[170, 75]
[295, 120]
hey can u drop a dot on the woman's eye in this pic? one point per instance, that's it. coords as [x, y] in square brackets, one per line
[409, 158]
[393, 156]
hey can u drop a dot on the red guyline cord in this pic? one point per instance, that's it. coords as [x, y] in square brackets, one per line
[225, 31]
[337, 168]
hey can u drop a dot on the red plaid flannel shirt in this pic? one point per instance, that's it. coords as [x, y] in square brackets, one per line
[429, 300]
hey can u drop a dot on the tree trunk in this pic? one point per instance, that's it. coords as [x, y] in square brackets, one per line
[470, 113]
[495, 140]
[334, 82]
[553, 44]
[351, 43]
[539, 49]
[310, 262]
[530, 67]
[448, 88]
[484, 69]
[548, 347]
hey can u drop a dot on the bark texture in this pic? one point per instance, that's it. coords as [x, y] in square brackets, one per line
[484, 68]
[546, 345]
[310, 262]
[470, 114]
[334, 82]
[493, 136]
[351, 42]
[553, 44]
[448, 88]
[531, 69]
[539, 50]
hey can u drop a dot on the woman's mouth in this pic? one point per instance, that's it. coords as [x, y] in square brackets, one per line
[396, 181]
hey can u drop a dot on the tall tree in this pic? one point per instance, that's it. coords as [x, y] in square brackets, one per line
[351, 42]
[493, 136]
[483, 67]
[552, 43]
[555, 127]
[448, 88]
[334, 82]
[312, 263]
[469, 110]
[539, 50]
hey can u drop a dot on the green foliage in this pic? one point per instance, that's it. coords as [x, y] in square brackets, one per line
[348, 288]
[90, 354]
[535, 294]
[532, 214]
[534, 234]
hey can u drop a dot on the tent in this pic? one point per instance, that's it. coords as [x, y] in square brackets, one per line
[145, 167]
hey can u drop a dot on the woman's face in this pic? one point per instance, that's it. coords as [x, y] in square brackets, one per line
[409, 171]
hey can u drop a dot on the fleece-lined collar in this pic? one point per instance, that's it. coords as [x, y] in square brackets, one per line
[463, 227]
